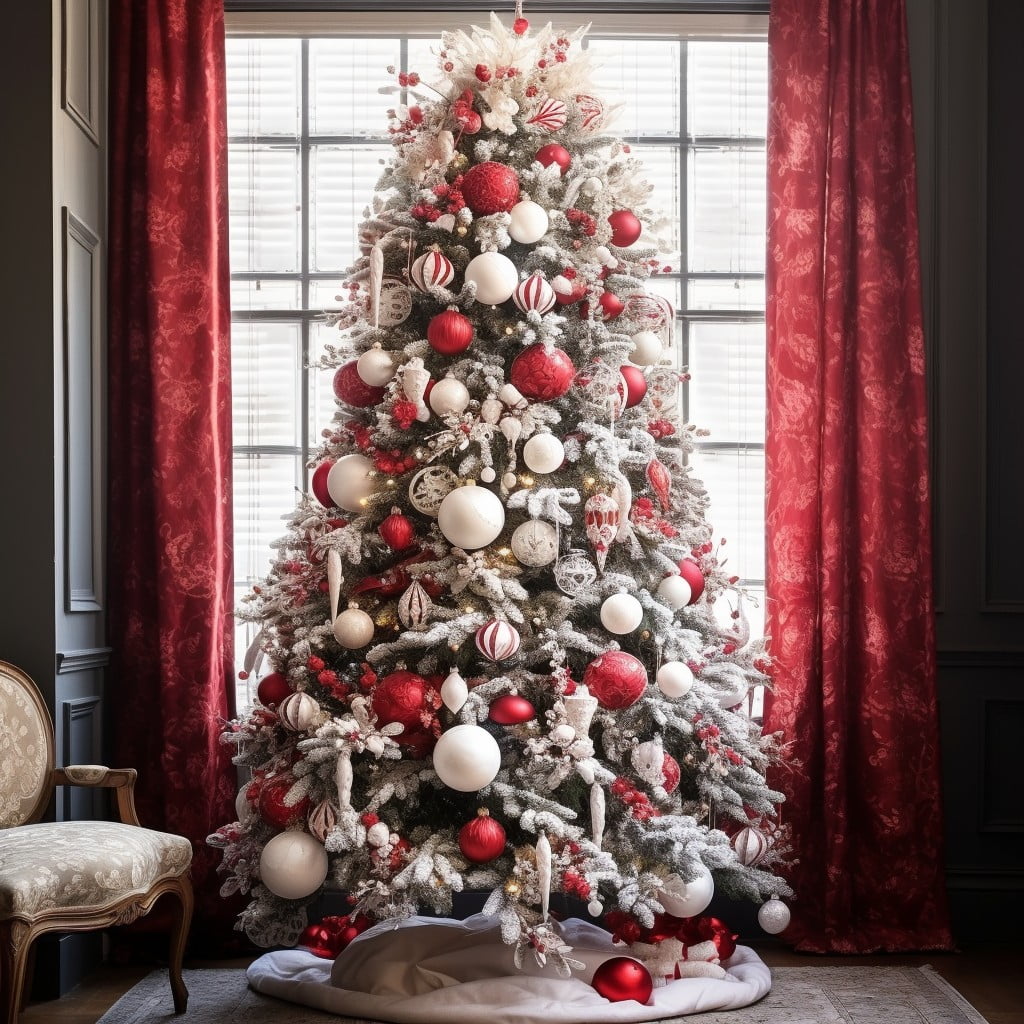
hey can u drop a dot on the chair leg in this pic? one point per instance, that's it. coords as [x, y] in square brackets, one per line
[30, 971]
[179, 933]
[14, 949]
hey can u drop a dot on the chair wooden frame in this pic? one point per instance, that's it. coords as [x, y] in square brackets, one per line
[18, 933]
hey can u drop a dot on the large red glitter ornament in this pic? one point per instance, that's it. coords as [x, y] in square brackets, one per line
[482, 839]
[490, 187]
[554, 154]
[670, 773]
[401, 697]
[511, 709]
[318, 484]
[351, 389]
[273, 810]
[626, 228]
[273, 689]
[397, 531]
[690, 571]
[450, 332]
[616, 679]
[541, 373]
[623, 978]
[636, 384]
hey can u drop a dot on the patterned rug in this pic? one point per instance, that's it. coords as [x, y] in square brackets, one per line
[799, 995]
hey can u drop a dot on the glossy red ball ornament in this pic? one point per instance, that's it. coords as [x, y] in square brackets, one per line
[318, 484]
[670, 773]
[417, 744]
[520, 26]
[450, 332]
[542, 374]
[397, 531]
[482, 839]
[273, 810]
[690, 571]
[609, 306]
[554, 154]
[626, 228]
[616, 679]
[623, 978]
[401, 697]
[273, 689]
[351, 389]
[319, 941]
[577, 289]
[636, 384]
[511, 709]
[490, 187]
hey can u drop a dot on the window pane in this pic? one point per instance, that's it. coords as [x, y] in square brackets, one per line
[264, 197]
[263, 86]
[264, 491]
[265, 293]
[265, 380]
[642, 76]
[320, 387]
[661, 170]
[726, 293]
[727, 387]
[344, 75]
[727, 91]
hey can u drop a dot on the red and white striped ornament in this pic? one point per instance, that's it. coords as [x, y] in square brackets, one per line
[432, 269]
[550, 115]
[534, 293]
[590, 108]
[497, 640]
[601, 516]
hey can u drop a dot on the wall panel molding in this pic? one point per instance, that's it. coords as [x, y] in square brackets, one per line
[80, 661]
[80, 65]
[81, 738]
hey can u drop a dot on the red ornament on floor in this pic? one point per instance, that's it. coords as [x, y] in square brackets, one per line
[554, 154]
[482, 839]
[273, 689]
[319, 941]
[450, 333]
[490, 187]
[318, 485]
[623, 978]
[542, 374]
[351, 389]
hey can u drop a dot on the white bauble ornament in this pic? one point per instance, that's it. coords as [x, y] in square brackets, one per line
[376, 367]
[349, 482]
[487, 475]
[647, 349]
[529, 222]
[773, 916]
[471, 517]
[353, 628]
[592, 186]
[535, 543]
[495, 277]
[595, 908]
[675, 592]
[621, 613]
[508, 481]
[298, 712]
[687, 899]
[449, 395]
[675, 679]
[466, 758]
[429, 487]
[293, 865]
[454, 691]
[543, 453]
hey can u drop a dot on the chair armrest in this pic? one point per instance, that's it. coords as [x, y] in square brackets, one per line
[98, 775]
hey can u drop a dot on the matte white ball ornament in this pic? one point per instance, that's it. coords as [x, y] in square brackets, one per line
[535, 543]
[466, 758]
[449, 395]
[471, 517]
[647, 349]
[293, 865]
[687, 899]
[675, 679]
[529, 222]
[621, 613]
[675, 592]
[773, 916]
[376, 367]
[543, 453]
[349, 482]
[353, 628]
[495, 277]
[592, 186]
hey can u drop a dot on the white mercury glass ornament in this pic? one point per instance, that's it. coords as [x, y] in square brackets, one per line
[529, 222]
[687, 899]
[449, 395]
[535, 543]
[298, 712]
[471, 517]
[647, 349]
[349, 482]
[675, 679]
[621, 613]
[675, 592]
[454, 691]
[293, 865]
[495, 277]
[376, 367]
[773, 916]
[543, 453]
[353, 628]
[595, 908]
[466, 758]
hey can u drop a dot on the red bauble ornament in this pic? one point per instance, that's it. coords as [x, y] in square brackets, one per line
[609, 306]
[623, 978]
[541, 373]
[694, 930]
[273, 810]
[519, 26]
[319, 484]
[482, 839]
[450, 332]
[397, 531]
[690, 571]
[490, 187]
[511, 709]
[418, 744]
[351, 389]
[636, 384]
[626, 228]
[273, 689]
[554, 154]
[576, 290]
[401, 697]
[616, 679]
[319, 940]
[670, 773]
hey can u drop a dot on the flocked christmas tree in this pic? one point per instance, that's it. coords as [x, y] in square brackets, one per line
[493, 659]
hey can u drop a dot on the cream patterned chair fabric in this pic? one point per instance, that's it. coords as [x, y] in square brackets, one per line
[72, 875]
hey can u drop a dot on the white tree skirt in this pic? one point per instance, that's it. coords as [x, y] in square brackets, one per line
[439, 971]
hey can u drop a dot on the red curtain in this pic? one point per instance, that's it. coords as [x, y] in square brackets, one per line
[848, 516]
[170, 567]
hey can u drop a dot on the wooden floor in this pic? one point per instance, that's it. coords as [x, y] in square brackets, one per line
[991, 977]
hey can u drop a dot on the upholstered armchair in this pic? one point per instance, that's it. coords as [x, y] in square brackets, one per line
[72, 876]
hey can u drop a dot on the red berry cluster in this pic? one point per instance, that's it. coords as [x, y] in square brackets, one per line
[450, 196]
[659, 429]
[556, 53]
[393, 463]
[643, 512]
[708, 735]
[404, 414]
[638, 803]
[484, 73]
[574, 884]
[582, 222]
[368, 679]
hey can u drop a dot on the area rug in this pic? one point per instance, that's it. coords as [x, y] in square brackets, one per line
[799, 995]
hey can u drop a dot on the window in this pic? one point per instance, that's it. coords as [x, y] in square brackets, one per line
[307, 137]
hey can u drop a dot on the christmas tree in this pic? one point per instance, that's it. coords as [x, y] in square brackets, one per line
[492, 660]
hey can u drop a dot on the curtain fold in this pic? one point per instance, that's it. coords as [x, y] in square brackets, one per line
[848, 508]
[169, 459]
